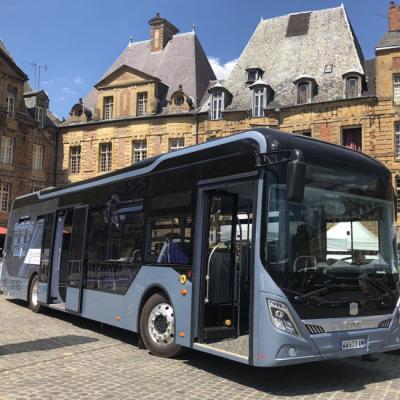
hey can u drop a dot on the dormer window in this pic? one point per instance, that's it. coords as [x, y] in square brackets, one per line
[303, 93]
[262, 94]
[108, 107]
[220, 99]
[259, 102]
[306, 89]
[40, 116]
[352, 84]
[253, 74]
[351, 87]
[217, 104]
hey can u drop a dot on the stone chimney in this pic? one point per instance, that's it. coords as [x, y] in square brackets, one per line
[161, 32]
[394, 17]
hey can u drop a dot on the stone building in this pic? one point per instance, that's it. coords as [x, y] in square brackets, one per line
[303, 73]
[27, 136]
[145, 104]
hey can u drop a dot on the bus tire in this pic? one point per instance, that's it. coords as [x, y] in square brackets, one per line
[157, 327]
[33, 295]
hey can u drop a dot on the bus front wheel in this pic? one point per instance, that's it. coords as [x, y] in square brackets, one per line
[157, 327]
[33, 295]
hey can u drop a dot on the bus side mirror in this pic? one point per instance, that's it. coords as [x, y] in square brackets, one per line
[295, 180]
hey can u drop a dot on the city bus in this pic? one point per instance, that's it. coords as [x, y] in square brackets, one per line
[262, 247]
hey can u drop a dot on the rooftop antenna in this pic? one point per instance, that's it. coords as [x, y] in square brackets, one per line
[40, 67]
[194, 27]
[34, 66]
[130, 40]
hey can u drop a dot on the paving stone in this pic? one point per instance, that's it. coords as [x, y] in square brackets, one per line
[55, 356]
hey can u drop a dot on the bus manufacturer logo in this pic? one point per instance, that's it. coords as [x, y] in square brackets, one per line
[353, 324]
[353, 309]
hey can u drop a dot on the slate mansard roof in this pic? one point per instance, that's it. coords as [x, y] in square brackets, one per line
[389, 40]
[181, 62]
[302, 48]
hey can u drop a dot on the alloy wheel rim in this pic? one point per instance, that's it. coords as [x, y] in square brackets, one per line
[161, 324]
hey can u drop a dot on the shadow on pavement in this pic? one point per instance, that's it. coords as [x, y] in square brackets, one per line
[83, 323]
[45, 344]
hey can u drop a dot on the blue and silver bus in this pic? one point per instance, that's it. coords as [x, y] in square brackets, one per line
[262, 247]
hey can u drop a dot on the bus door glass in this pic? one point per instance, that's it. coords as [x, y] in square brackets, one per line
[46, 257]
[76, 260]
[226, 266]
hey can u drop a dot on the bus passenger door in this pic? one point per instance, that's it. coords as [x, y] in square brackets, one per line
[76, 260]
[46, 257]
[226, 267]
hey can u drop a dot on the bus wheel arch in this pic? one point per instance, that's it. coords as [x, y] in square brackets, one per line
[157, 323]
[32, 293]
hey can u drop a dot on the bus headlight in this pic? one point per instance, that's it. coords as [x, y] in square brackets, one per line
[281, 318]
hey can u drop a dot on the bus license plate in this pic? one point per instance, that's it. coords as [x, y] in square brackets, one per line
[354, 344]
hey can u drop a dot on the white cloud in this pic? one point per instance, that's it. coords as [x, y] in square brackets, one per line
[68, 90]
[78, 80]
[221, 70]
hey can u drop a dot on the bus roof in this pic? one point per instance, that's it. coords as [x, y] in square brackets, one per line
[264, 138]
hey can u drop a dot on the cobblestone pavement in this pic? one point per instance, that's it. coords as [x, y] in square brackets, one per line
[58, 356]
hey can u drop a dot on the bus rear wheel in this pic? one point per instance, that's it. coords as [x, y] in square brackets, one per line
[33, 295]
[157, 327]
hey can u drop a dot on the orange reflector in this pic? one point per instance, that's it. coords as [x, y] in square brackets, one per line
[118, 318]
[182, 334]
[183, 292]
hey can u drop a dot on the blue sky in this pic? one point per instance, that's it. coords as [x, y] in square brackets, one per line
[79, 39]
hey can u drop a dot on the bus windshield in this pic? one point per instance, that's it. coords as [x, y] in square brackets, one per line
[335, 247]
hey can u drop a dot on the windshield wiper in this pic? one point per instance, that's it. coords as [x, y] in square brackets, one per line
[300, 297]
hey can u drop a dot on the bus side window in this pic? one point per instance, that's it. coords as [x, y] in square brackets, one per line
[115, 245]
[170, 240]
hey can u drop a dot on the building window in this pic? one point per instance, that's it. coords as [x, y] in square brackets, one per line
[397, 139]
[398, 192]
[75, 159]
[139, 150]
[176, 144]
[259, 102]
[304, 133]
[10, 105]
[4, 196]
[179, 100]
[351, 87]
[253, 74]
[303, 93]
[39, 116]
[142, 103]
[36, 188]
[37, 156]
[105, 157]
[352, 138]
[217, 105]
[108, 107]
[6, 150]
[396, 89]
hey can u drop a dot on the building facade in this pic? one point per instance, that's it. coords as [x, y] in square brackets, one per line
[303, 73]
[27, 136]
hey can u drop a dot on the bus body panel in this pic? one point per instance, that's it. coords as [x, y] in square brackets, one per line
[19, 265]
[124, 310]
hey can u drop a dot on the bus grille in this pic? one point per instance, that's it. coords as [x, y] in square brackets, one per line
[385, 323]
[15, 285]
[315, 329]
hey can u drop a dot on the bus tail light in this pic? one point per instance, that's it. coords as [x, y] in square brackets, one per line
[281, 318]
